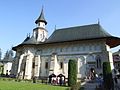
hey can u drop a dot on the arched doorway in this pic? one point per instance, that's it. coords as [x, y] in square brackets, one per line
[91, 66]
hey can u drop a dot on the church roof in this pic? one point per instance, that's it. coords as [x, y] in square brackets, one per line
[117, 53]
[78, 33]
[6, 60]
[8, 57]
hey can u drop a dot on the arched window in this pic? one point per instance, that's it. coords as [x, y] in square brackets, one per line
[33, 64]
[98, 61]
[90, 58]
[46, 65]
[61, 65]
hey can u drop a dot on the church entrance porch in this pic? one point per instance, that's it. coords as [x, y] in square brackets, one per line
[91, 70]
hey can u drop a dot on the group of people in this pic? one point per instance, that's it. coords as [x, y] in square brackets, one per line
[92, 74]
[59, 80]
[116, 75]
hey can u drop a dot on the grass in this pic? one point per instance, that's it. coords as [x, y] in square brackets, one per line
[12, 85]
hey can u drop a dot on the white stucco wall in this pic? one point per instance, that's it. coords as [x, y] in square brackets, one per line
[7, 66]
[81, 51]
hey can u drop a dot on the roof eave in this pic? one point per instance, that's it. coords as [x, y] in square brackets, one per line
[113, 41]
[76, 40]
[21, 45]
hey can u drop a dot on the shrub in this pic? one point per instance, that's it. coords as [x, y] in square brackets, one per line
[107, 76]
[82, 88]
[15, 80]
[10, 79]
[18, 80]
[72, 72]
[4, 79]
[76, 86]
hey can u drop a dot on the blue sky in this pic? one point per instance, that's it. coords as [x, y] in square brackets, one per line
[17, 17]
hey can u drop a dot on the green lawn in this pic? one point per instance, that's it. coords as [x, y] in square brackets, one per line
[12, 85]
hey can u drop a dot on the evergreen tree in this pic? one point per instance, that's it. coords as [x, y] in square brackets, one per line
[0, 54]
[107, 76]
[72, 72]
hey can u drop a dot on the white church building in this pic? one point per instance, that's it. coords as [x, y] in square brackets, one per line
[40, 56]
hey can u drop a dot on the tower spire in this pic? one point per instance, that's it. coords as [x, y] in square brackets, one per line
[98, 21]
[55, 27]
[41, 18]
[40, 32]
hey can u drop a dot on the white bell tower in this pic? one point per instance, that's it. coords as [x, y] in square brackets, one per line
[40, 33]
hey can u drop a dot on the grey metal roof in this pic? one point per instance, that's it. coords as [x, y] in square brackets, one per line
[117, 53]
[78, 33]
[29, 40]
[26, 39]
[86, 32]
[7, 59]
[8, 56]
[41, 18]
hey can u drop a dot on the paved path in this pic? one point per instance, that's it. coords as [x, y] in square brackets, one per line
[117, 86]
[89, 85]
[92, 85]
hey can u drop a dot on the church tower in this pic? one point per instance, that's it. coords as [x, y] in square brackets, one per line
[40, 33]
